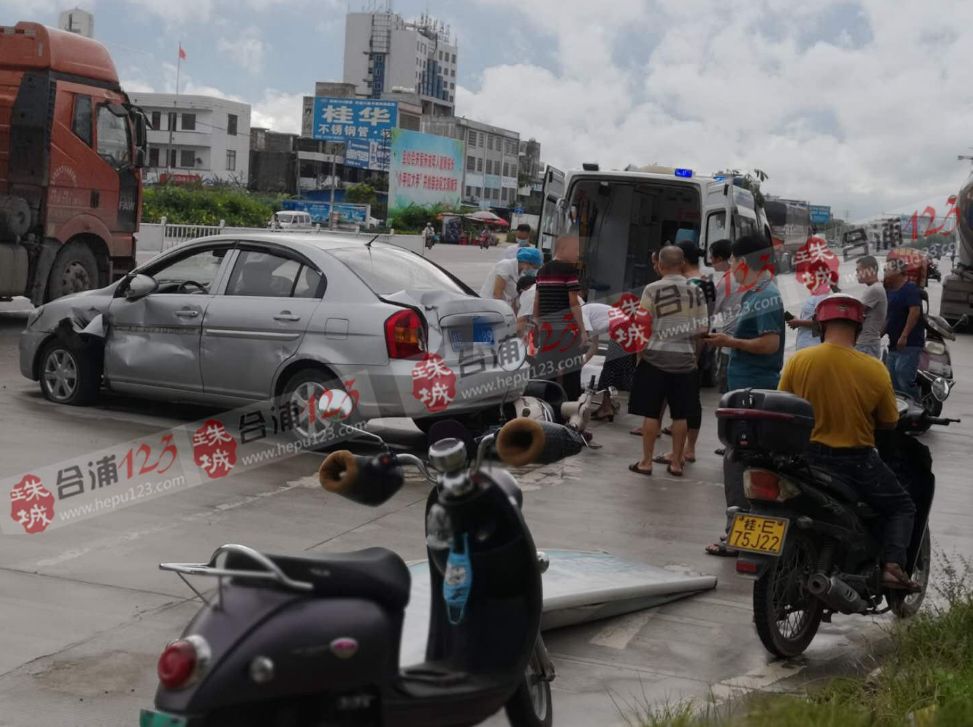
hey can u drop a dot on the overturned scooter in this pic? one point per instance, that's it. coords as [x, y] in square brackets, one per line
[314, 640]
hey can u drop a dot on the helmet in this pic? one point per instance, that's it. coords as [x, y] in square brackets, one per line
[840, 307]
[531, 407]
[530, 255]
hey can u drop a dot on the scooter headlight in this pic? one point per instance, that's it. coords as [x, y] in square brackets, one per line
[935, 348]
[940, 388]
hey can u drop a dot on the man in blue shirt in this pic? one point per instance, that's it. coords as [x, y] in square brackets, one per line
[756, 349]
[903, 324]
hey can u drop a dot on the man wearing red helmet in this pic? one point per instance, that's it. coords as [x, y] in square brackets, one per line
[852, 395]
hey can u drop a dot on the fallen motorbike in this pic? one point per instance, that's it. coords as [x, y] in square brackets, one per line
[314, 640]
[808, 542]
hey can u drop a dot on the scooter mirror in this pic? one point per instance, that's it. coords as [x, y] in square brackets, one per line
[527, 441]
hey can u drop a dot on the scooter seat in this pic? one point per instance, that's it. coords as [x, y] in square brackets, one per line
[841, 489]
[375, 574]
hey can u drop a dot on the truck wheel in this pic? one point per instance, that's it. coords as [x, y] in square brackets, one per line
[75, 270]
[69, 376]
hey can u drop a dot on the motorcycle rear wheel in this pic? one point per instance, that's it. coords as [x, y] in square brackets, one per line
[785, 614]
[906, 605]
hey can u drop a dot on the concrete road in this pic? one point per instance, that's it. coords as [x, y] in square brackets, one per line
[85, 612]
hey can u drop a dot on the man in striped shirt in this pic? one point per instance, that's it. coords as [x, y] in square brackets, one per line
[559, 332]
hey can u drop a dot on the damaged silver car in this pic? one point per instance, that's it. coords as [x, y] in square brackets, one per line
[231, 320]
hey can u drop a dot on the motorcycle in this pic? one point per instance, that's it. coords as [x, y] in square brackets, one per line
[809, 544]
[314, 640]
[935, 373]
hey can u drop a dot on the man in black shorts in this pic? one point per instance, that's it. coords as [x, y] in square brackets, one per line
[667, 367]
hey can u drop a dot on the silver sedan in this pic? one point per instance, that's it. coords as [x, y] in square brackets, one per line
[230, 320]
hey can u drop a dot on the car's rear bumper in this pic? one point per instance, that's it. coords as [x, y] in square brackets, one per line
[400, 389]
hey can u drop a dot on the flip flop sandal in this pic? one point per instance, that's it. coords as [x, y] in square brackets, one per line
[662, 459]
[639, 471]
[667, 431]
[635, 432]
[720, 550]
[893, 583]
[670, 471]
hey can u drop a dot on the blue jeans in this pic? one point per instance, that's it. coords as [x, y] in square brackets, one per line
[872, 349]
[903, 363]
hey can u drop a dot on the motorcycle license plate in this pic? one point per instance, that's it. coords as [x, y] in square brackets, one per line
[758, 534]
[151, 718]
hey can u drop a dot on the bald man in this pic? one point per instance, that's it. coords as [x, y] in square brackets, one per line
[559, 333]
[666, 372]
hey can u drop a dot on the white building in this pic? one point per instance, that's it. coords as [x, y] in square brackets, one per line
[77, 21]
[197, 135]
[492, 159]
[384, 52]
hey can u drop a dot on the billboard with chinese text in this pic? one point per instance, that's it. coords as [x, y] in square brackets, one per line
[371, 155]
[424, 170]
[345, 119]
[320, 211]
[820, 214]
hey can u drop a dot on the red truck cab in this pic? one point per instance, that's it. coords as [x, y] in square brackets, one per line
[71, 152]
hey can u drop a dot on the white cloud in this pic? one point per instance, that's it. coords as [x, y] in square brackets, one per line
[279, 111]
[861, 104]
[246, 49]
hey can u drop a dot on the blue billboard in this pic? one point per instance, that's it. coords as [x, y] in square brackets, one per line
[820, 215]
[346, 119]
[321, 211]
[371, 155]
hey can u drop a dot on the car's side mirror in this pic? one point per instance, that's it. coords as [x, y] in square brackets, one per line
[140, 286]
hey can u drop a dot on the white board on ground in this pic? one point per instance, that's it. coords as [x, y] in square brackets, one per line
[579, 586]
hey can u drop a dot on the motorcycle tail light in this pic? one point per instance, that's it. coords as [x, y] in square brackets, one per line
[183, 661]
[766, 485]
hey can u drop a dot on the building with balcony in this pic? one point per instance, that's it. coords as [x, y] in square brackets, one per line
[198, 136]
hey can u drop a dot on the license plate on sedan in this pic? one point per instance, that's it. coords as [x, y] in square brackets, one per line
[758, 534]
[479, 334]
[151, 718]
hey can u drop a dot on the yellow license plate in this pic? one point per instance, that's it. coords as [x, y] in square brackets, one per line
[758, 534]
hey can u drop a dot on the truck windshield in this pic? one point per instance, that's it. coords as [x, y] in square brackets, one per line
[114, 140]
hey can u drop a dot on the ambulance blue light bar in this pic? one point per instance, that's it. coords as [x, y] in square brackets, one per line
[687, 173]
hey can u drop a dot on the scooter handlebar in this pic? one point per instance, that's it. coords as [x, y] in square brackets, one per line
[525, 441]
[365, 480]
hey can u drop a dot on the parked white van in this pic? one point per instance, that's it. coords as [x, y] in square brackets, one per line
[290, 220]
[623, 217]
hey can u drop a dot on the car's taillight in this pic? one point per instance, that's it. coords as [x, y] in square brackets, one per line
[405, 335]
[766, 485]
[183, 661]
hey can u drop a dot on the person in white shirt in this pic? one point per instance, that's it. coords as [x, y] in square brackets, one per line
[501, 283]
[521, 239]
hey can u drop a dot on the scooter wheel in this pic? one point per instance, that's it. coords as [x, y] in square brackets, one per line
[530, 705]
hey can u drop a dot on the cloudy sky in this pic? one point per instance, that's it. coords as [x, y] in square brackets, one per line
[860, 104]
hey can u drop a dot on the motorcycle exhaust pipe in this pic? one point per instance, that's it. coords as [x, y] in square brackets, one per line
[836, 594]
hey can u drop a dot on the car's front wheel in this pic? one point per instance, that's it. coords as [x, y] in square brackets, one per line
[68, 375]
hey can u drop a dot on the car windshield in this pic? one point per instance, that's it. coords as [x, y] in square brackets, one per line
[388, 270]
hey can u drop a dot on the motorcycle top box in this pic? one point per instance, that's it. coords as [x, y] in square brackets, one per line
[774, 421]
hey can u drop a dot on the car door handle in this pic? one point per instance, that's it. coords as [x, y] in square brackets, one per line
[186, 313]
[287, 316]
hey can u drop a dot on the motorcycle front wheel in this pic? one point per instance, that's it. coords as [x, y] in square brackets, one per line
[530, 705]
[785, 614]
[905, 605]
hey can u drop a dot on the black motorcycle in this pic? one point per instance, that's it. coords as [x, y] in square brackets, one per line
[313, 640]
[808, 542]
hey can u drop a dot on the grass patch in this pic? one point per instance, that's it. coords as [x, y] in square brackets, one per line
[926, 679]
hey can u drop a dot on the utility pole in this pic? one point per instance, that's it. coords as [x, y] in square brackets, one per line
[331, 214]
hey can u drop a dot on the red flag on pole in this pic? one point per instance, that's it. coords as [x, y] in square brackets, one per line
[182, 53]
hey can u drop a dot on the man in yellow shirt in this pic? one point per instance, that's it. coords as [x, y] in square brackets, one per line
[852, 395]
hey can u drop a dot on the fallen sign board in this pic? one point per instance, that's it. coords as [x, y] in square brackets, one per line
[579, 587]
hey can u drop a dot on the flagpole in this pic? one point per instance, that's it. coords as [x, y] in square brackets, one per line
[172, 117]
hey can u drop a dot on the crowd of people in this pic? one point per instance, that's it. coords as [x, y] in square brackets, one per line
[731, 327]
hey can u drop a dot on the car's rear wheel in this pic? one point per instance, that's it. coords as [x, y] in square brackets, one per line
[68, 375]
[75, 270]
[303, 393]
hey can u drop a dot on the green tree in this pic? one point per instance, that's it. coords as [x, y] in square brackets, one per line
[198, 205]
[360, 194]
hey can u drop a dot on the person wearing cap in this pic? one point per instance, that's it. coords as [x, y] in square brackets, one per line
[903, 324]
[852, 396]
[521, 239]
[501, 283]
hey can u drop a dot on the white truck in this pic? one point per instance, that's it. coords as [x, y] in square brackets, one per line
[622, 217]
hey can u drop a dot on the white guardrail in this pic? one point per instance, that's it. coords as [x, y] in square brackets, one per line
[153, 238]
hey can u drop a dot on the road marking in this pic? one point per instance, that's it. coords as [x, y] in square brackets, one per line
[620, 631]
[756, 680]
